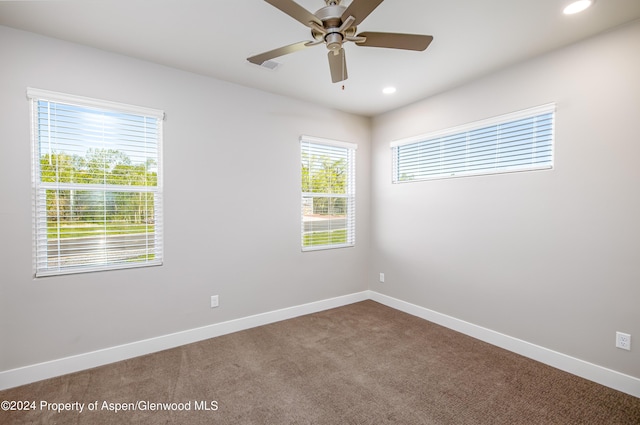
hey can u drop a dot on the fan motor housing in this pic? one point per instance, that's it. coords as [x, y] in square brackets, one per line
[333, 40]
[331, 17]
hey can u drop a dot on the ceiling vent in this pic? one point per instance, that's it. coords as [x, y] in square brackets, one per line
[269, 64]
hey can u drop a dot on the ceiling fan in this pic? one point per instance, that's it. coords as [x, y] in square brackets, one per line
[336, 24]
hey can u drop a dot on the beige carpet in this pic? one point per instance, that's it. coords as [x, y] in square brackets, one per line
[359, 364]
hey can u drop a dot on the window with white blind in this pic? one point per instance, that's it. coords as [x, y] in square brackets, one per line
[328, 193]
[97, 177]
[519, 141]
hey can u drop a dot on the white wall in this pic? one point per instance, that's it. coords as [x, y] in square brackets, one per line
[549, 257]
[232, 223]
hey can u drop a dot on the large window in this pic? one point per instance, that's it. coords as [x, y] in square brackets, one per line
[519, 141]
[328, 193]
[97, 177]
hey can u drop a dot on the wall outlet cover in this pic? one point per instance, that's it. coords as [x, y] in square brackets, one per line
[623, 341]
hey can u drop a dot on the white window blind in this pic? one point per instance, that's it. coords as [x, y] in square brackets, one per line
[97, 177]
[514, 142]
[328, 193]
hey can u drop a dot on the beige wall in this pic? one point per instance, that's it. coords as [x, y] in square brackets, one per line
[549, 257]
[232, 207]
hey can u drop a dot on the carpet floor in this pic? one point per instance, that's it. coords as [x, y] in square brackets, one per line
[363, 363]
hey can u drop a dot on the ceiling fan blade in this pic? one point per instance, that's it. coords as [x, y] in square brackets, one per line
[294, 10]
[360, 9]
[285, 50]
[395, 40]
[338, 66]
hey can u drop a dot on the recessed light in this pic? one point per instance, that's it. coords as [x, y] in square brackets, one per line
[577, 6]
[389, 90]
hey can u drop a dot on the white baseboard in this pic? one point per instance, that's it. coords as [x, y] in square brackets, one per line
[32, 373]
[607, 377]
[37, 372]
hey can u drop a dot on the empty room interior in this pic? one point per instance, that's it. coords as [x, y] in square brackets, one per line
[281, 241]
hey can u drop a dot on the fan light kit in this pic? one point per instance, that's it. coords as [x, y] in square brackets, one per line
[577, 6]
[336, 24]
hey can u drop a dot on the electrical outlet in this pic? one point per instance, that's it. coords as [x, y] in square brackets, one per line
[381, 277]
[623, 341]
[214, 301]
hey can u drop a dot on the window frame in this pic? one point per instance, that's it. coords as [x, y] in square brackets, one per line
[349, 195]
[501, 120]
[154, 244]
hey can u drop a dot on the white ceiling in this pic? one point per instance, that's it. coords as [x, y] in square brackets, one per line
[214, 38]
